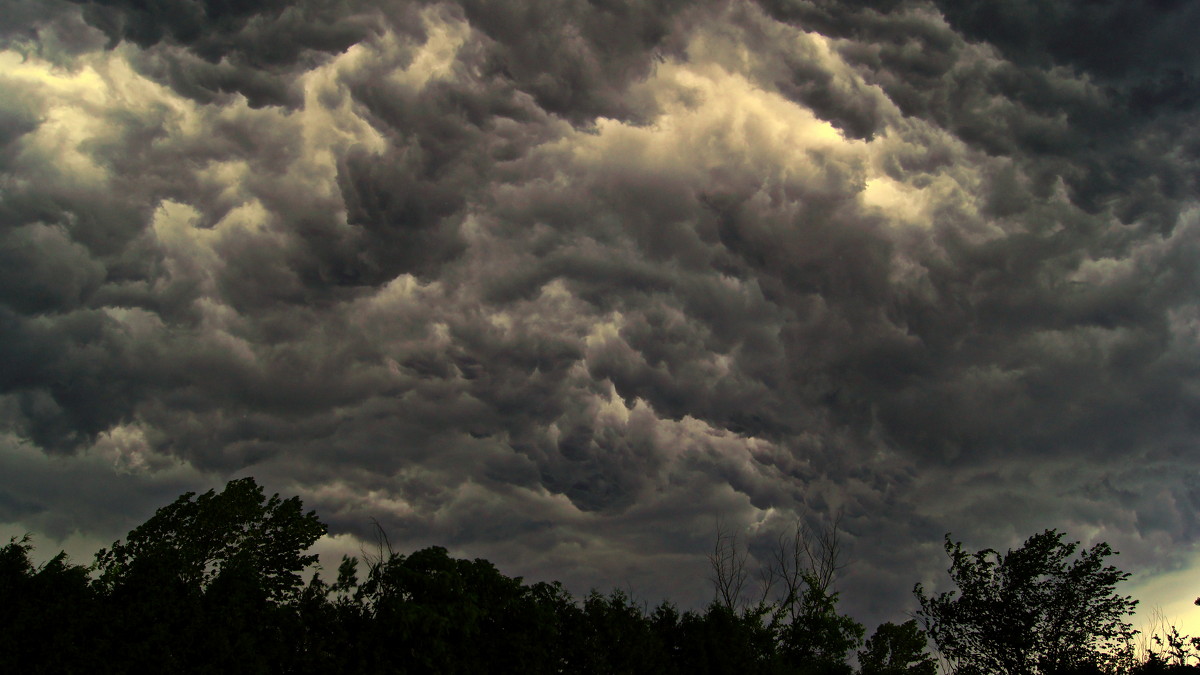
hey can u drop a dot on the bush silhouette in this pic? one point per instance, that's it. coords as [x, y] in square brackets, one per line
[1031, 610]
[211, 584]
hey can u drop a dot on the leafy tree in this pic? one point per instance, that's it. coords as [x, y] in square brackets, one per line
[897, 650]
[611, 634]
[237, 532]
[210, 582]
[724, 641]
[818, 639]
[1032, 610]
[435, 614]
[813, 637]
[48, 614]
[796, 604]
[1172, 651]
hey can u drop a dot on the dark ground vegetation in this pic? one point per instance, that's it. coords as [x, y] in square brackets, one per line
[213, 584]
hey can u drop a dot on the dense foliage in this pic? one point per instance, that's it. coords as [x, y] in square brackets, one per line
[1035, 609]
[211, 584]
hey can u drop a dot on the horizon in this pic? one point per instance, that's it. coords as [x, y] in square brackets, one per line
[1160, 605]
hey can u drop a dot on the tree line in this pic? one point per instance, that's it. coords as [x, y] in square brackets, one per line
[213, 584]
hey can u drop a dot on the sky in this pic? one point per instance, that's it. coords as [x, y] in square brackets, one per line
[565, 284]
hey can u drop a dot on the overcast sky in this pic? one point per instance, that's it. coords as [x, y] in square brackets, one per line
[562, 283]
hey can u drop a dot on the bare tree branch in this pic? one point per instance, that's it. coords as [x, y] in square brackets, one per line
[805, 565]
[728, 564]
[802, 565]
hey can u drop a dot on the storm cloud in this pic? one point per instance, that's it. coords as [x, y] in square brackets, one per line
[559, 284]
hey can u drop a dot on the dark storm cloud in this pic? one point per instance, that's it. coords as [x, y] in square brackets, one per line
[1145, 49]
[208, 50]
[88, 497]
[577, 59]
[259, 34]
[1092, 93]
[558, 283]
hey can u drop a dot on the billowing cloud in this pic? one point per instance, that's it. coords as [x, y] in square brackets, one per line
[562, 284]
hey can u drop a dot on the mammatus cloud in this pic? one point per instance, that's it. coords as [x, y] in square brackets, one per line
[561, 284]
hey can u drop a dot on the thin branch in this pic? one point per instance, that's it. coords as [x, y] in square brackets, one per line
[728, 564]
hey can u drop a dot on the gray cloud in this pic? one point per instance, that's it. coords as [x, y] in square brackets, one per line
[562, 284]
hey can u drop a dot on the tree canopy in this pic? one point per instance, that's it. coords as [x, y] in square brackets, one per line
[211, 583]
[897, 650]
[236, 531]
[1035, 609]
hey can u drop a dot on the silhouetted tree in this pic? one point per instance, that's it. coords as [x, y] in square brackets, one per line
[430, 613]
[796, 603]
[728, 562]
[612, 634]
[1171, 652]
[813, 637]
[236, 532]
[210, 583]
[897, 650]
[49, 618]
[717, 641]
[1032, 610]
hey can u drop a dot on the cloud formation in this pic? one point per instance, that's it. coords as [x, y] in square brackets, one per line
[558, 284]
